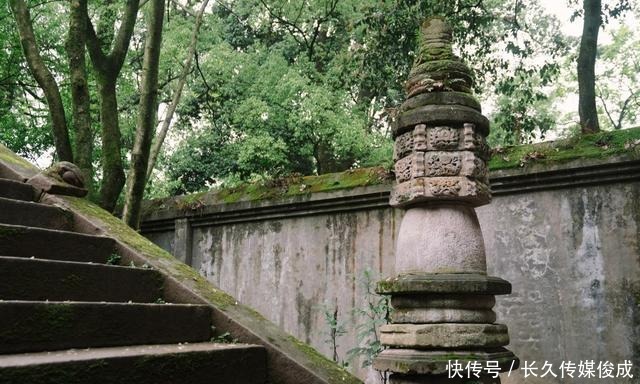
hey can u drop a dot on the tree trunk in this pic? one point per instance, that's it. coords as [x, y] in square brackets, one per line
[112, 170]
[108, 68]
[586, 66]
[147, 116]
[81, 101]
[44, 78]
[177, 93]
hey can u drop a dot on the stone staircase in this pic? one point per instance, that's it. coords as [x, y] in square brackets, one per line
[70, 314]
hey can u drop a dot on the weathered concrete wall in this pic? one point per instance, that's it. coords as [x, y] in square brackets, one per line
[566, 237]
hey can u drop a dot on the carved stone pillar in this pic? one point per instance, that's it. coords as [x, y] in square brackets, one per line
[441, 294]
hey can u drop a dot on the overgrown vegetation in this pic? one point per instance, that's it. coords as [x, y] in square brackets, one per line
[278, 188]
[114, 259]
[272, 89]
[574, 147]
[374, 312]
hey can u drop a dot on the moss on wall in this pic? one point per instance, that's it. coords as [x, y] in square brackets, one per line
[599, 145]
[272, 189]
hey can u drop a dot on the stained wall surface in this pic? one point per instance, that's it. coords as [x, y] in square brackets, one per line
[570, 249]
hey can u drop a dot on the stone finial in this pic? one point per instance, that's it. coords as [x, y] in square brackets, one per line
[441, 294]
[62, 178]
[436, 68]
[436, 31]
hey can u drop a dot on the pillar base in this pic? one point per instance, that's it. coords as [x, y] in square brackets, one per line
[420, 283]
[420, 362]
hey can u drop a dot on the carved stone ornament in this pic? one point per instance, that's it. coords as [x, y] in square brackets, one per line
[62, 178]
[441, 295]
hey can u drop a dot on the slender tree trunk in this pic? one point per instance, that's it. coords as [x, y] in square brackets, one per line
[44, 78]
[112, 170]
[147, 115]
[81, 100]
[177, 93]
[108, 68]
[586, 66]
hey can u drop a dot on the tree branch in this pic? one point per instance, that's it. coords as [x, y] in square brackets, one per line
[121, 43]
[177, 93]
[184, 8]
[44, 78]
[98, 58]
[289, 26]
[606, 110]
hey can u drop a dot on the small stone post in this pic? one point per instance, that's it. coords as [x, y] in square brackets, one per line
[441, 294]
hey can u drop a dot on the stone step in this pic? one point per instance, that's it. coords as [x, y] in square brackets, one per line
[35, 326]
[149, 364]
[31, 214]
[21, 241]
[40, 279]
[11, 189]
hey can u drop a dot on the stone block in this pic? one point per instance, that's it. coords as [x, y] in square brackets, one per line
[442, 315]
[446, 335]
[449, 188]
[439, 164]
[462, 283]
[413, 361]
[441, 98]
[443, 300]
[423, 138]
[440, 115]
[440, 238]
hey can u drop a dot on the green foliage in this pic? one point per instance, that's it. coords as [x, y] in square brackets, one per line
[335, 330]
[576, 146]
[114, 259]
[224, 338]
[266, 116]
[618, 79]
[24, 125]
[310, 87]
[522, 113]
[376, 312]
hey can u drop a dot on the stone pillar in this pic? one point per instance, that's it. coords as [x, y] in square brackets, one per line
[441, 294]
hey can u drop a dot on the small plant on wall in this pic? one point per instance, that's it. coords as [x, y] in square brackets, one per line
[375, 312]
[336, 329]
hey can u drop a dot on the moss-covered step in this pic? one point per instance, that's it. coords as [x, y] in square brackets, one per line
[21, 241]
[15, 167]
[39, 279]
[11, 189]
[290, 360]
[33, 214]
[198, 363]
[32, 326]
